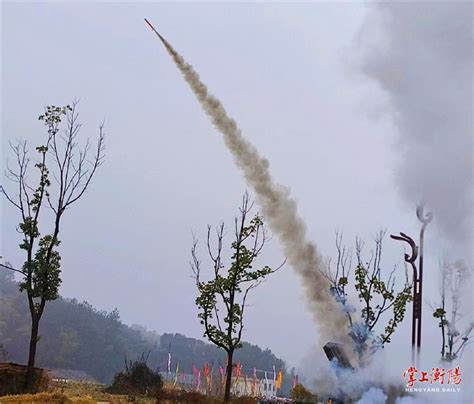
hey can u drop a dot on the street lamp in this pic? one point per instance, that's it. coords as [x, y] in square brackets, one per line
[416, 252]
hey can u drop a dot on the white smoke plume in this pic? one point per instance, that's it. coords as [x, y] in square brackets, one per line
[373, 396]
[278, 208]
[421, 55]
[372, 382]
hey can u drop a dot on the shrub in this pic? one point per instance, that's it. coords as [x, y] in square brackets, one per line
[300, 394]
[137, 379]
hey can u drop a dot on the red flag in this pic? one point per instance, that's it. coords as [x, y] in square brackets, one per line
[222, 372]
[237, 369]
[255, 381]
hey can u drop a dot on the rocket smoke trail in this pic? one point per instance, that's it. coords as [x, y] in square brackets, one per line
[423, 63]
[278, 208]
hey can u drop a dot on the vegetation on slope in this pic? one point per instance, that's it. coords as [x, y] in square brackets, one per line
[77, 336]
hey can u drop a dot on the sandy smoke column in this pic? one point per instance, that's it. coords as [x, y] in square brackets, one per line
[421, 55]
[278, 208]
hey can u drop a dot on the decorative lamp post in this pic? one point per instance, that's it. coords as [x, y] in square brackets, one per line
[416, 252]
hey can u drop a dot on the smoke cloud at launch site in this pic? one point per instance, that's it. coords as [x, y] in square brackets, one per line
[421, 56]
[278, 208]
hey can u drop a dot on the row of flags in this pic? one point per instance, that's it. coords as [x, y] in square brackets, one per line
[207, 375]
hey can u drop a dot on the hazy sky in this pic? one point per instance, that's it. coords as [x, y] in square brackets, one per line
[288, 73]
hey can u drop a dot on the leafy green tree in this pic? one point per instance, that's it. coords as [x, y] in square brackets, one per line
[227, 290]
[379, 300]
[72, 171]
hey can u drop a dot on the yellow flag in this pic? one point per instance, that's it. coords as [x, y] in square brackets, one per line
[279, 379]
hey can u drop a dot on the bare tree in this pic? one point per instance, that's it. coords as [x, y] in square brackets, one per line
[338, 275]
[228, 288]
[72, 169]
[453, 276]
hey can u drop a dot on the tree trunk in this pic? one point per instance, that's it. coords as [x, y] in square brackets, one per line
[30, 372]
[443, 339]
[228, 381]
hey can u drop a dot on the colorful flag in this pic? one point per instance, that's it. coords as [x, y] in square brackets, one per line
[295, 381]
[176, 375]
[221, 371]
[207, 377]
[279, 379]
[195, 376]
[238, 369]
[254, 381]
[210, 381]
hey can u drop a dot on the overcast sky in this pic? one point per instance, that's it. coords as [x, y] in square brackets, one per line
[288, 73]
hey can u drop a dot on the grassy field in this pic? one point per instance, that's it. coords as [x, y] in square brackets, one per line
[91, 393]
[74, 392]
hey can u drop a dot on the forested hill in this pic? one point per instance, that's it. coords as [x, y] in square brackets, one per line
[77, 336]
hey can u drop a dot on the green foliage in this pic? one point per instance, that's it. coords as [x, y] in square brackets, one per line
[381, 302]
[300, 394]
[441, 314]
[370, 286]
[43, 277]
[343, 281]
[229, 285]
[42, 268]
[362, 286]
[399, 309]
[52, 116]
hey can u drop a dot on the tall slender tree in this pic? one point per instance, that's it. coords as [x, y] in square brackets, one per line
[227, 290]
[64, 172]
[454, 283]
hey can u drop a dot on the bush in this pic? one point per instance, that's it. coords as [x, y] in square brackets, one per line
[137, 379]
[300, 394]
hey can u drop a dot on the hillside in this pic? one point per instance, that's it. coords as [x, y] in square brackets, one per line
[77, 336]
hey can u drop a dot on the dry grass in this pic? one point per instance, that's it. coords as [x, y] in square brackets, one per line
[80, 389]
[193, 397]
[38, 398]
[74, 393]
[92, 393]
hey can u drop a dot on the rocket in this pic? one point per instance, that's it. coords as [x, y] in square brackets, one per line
[155, 31]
